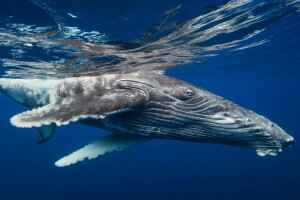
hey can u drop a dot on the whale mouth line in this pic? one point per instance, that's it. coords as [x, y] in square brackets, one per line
[289, 142]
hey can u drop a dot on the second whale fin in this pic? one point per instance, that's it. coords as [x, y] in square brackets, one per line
[107, 144]
[46, 132]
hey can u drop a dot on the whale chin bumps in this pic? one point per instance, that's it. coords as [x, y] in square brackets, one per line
[139, 107]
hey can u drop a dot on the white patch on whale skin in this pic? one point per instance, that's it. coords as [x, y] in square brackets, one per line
[87, 83]
[270, 152]
[223, 120]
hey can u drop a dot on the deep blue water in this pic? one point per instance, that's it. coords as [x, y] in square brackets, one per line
[248, 54]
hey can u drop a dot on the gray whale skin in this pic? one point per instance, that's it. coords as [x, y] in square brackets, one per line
[136, 108]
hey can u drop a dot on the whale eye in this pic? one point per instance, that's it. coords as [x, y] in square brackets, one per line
[189, 92]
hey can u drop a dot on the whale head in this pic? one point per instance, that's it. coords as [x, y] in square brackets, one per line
[218, 120]
[184, 111]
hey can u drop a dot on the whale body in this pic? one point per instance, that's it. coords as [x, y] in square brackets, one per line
[136, 108]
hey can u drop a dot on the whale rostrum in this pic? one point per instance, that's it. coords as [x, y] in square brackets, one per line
[136, 108]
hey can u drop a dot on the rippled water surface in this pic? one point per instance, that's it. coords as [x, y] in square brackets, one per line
[62, 39]
[245, 50]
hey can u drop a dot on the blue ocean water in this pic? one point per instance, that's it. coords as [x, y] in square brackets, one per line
[246, 51]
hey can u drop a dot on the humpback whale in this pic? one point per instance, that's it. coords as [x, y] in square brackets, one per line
[137, 107]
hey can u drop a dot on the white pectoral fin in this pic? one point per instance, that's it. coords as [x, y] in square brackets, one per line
[110, 143]
[72, 109]
[55, 113]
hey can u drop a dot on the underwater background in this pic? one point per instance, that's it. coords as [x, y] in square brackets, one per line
[246, 51]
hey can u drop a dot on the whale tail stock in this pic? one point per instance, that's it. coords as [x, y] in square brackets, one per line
[31, 93]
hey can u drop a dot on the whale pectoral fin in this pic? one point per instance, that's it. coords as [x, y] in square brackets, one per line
[72, 109]
[39, 117]
[46, 132]
[107, 144]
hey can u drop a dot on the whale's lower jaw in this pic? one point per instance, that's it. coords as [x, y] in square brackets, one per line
[235, 126]
[262, 144]
[262, 147]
